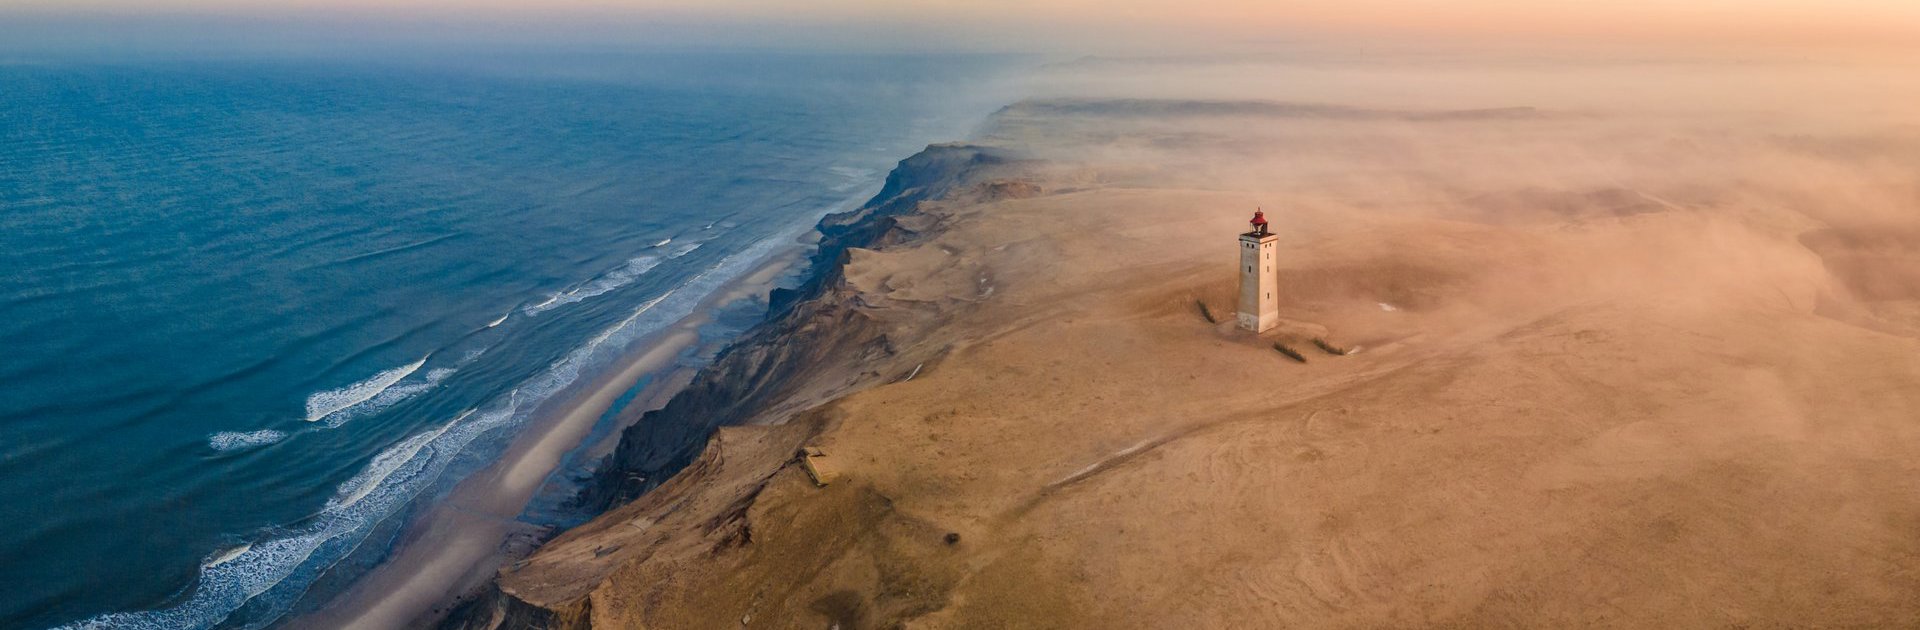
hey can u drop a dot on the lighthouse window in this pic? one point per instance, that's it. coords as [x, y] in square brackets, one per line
[1249, 268]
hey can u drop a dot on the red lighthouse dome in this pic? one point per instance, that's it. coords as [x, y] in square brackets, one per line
[1259, 223]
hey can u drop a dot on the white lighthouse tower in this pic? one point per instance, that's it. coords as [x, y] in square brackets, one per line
[1259, 285]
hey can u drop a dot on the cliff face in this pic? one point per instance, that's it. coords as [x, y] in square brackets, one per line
[809, 328]
[681, 480]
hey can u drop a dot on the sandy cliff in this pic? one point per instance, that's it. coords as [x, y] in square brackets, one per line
[1585, 389]
[821, 341]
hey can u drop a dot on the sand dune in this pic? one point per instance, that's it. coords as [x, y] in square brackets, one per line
[1635, 373]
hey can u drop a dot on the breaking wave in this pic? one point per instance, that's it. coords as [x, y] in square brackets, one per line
[607, 282]
[391, 394]
[280, 564]
[323, 404]
[238, 440]
[385, 464]
[225, 555]
[613, 280]
[684, 249]
[284, 564]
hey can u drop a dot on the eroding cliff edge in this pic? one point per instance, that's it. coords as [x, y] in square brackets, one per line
[810, 330]
[676, 490]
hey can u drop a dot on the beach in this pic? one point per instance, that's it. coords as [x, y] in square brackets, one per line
[451, 552]
[1651, 385]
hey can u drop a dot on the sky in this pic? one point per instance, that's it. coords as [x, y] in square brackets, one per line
[1024, 25]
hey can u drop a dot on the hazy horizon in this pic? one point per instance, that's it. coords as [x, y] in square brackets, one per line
[1773, 28]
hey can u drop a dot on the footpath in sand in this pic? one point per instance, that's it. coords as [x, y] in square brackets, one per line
[1623, 398]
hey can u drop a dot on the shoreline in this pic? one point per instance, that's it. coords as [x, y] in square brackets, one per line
[822, 342]
[453, 548]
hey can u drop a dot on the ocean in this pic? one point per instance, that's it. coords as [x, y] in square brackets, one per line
[251, 311]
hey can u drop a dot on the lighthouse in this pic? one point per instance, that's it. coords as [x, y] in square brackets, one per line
[1259, 286]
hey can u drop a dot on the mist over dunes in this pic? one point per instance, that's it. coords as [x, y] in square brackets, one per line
[1615, 342]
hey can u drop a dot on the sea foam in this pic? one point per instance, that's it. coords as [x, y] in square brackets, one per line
[684, 249]
[606, 283]
[385, 464]
[391, 394]
[233, 577]
[612, 280]
[323, 404]
[280, 565]
[237, 440]
[225, 556]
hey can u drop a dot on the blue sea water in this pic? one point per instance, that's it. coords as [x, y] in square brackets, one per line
[251, 310]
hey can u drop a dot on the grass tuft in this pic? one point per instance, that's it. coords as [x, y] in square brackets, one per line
[1206, 312]
[1290, 352]
[1330, 348]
